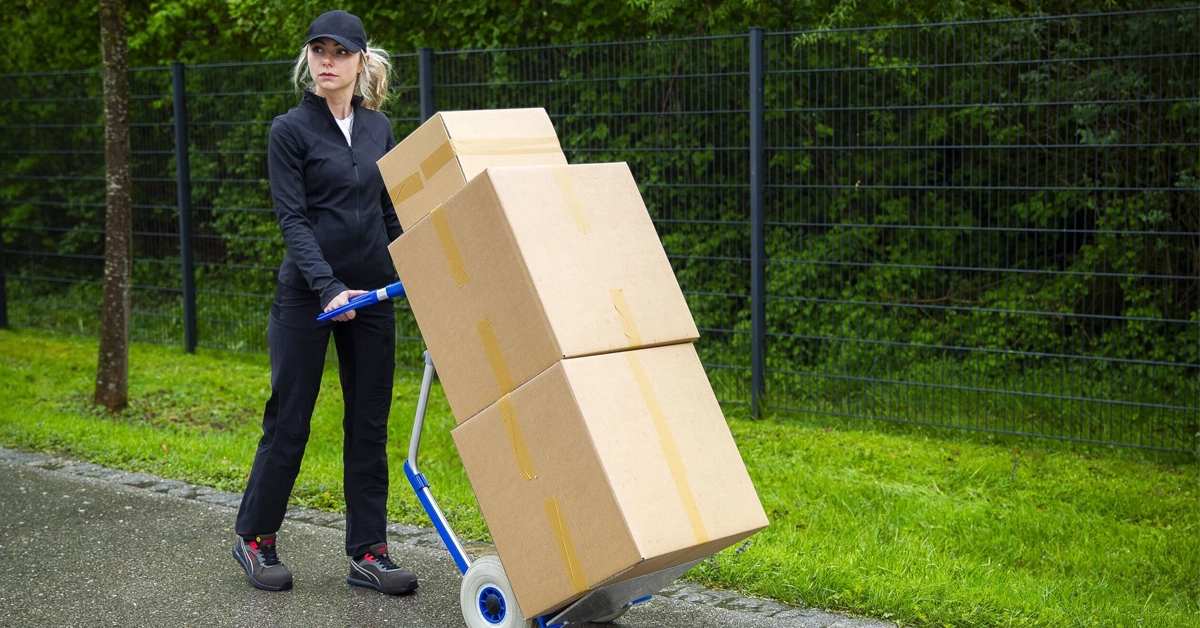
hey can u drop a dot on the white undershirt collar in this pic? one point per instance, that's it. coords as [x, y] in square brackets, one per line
[346, 124]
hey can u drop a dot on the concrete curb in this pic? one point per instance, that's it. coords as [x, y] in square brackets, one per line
[415, 536]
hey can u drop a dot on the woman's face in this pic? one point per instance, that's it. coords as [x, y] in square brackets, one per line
[332, 66]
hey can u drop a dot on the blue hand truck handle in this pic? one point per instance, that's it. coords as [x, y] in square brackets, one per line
[390, 291]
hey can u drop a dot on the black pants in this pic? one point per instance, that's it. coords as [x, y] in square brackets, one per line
[366, 348]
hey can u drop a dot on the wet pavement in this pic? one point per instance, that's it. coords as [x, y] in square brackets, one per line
[81, 544]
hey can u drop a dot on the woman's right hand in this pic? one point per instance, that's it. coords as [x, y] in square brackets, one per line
[341, 299]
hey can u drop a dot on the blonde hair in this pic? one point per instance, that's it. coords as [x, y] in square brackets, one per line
[371, 83]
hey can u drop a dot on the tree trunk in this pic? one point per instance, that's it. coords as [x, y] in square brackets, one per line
[112, 372]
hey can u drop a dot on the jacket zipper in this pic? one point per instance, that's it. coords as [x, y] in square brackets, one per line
[353, 158]
[354, 162]
[358, 206]
[357, 185]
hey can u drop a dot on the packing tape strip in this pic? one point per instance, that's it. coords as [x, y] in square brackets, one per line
[436, 160]
[454, 259]
[406, 189]
[444, 154]
[516, 439]
[507, 146]
[670, 449]
[571, 198]
[617, 296]
[491, 347]
[559, 527]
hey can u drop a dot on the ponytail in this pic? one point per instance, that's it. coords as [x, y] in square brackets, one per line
[371, 84]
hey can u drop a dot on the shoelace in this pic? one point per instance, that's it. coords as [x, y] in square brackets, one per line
[269, 557]
[383, 560]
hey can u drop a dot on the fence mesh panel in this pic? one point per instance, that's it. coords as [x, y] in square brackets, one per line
[676, 111]
[986, 225]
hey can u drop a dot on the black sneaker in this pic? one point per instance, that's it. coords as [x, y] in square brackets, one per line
[376, 570]
[258, 558]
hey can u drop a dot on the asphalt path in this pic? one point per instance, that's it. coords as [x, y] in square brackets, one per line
[82, 545]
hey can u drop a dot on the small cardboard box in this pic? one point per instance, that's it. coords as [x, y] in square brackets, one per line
[605, 468]
[529, 265]
[449, 149]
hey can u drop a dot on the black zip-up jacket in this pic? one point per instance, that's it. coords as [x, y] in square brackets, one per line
[335, 214]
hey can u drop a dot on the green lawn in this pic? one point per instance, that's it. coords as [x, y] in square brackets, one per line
[916, 526]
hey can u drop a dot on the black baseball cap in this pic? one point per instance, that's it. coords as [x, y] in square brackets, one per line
[340, 26]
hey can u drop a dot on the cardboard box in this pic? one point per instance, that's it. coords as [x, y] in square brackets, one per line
[449, 149]
[604, 468]
[529, 265]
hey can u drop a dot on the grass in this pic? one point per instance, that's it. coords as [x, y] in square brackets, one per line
[917, 526]
[1057, 398]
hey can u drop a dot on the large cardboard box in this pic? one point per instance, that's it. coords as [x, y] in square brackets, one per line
[529, 265]
[604, 468]
[449, 149]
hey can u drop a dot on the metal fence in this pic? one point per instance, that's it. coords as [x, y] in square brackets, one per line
[989, 225]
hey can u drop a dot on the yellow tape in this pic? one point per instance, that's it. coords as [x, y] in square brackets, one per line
[436, 160]
[670, 449]
[571, 198]
[454, 258]
[443, 154]
[516, 439]
[491, 347]
[507, 146]
[622, 306]
[565, 546]
[405, 189]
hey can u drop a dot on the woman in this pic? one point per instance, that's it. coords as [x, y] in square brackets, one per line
[337, 220]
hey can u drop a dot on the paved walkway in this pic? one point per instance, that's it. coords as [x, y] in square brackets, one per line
[86, 545]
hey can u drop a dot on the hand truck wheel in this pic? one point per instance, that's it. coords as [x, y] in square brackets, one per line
[486, 596]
